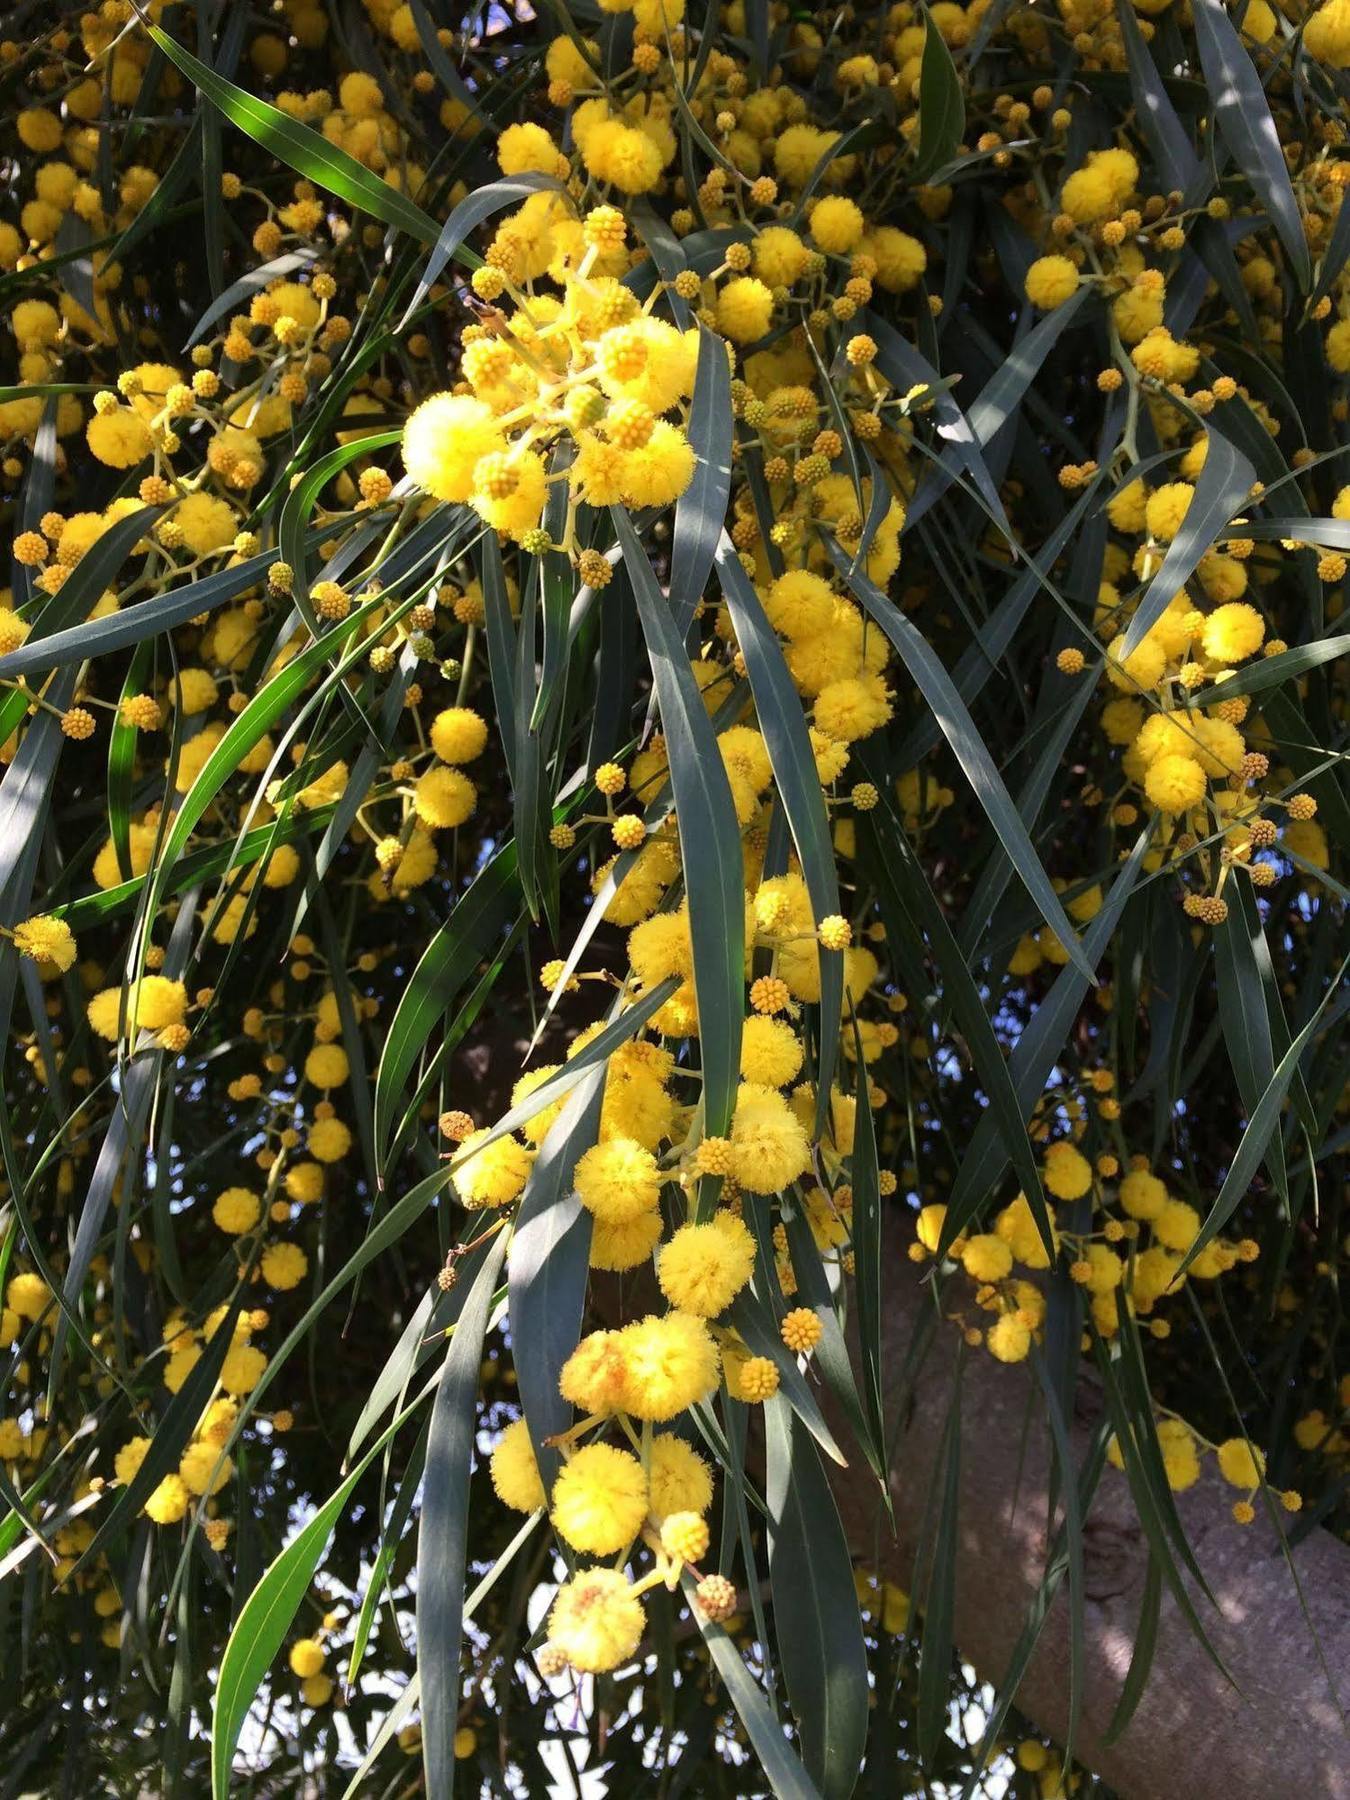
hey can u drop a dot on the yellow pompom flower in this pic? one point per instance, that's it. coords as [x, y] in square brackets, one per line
[169, 1501]
[329, 1140]
[901, 259]
[769, 1145]
[242, 1369]
[493, 1175]
[801, 1330]
[1018, 1229]
[521, 148]
[599, 1500]
[46, 940]
[119, 438]
[670, 1362]
[679, 1479]
[986, 1257]
[1241, 1464]
[129, 1458]
[1181, 1460]
[1174, 784]
[627, 1246]
[444, 798]
[1326, 36]
[304, 1183]
[660, 470]
[284, 1266]
[517, 512]
[514, 1471]
[458, 734]
[837, 224]
[307, 1657]
[852, 708]
[622, 155]
[1009, 1338]
[207, 523]
[1067, 1173]
[744, 309]
[1233, 632]
[595, 1375]
[154, 1003]
[685, 1537]
[203, 1470]
[617, 1180]
[1176, 1226]
[445, 439]
[327, 1066]
[928, 1227]
[597, 1621]
[704, 1267]
[1051, 280]
[779, 256]
[1165, 509]
[771, 1052]
[236, 1210]
[1142, 1195]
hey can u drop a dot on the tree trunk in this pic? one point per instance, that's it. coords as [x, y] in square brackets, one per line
[1277, 1733]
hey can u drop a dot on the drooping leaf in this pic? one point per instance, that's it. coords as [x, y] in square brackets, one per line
[443, 1536]
[1245, 122]
[710, 838]
[942, 105]
[820, 1642]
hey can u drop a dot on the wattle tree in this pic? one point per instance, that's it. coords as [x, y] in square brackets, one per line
[672, 929]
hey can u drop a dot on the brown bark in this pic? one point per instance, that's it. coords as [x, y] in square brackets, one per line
[1278, 1733]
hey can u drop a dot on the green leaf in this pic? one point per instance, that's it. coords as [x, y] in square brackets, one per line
[781, 1769]
[779, 710]
[549, 1269]
[268, 1614]
[896, 865]
[1000, 397]
[477, 920]
[710, 839]
[1261, 1127]
[1221, 491]
[831, 1356]
[300, 502]
[246, 287]
[984, 1158]
[959, 729]
[1141, 1659]
[942, 106]
[482, 204]
[122, 763]
[147, 618]
[939, 1591]
[1245, 124]
[443, 1536]
[250, 727]
[87, 581]
[300, 148]
[501, 642]
[1247, 1027]
[752, 1318]
[171, 1435]
[701, 510]
[815, 1608]
[903, 366]
[1288, 665]
[1162, 129]
[867, 1255]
